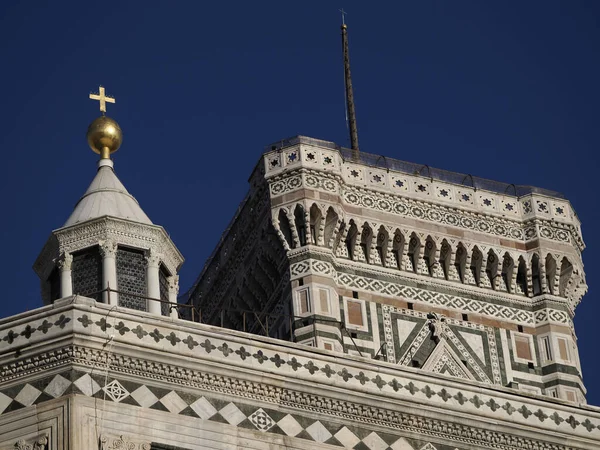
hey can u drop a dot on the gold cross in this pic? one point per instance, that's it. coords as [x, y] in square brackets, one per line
[103, 99]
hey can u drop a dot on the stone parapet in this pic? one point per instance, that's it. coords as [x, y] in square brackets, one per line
[82, 348]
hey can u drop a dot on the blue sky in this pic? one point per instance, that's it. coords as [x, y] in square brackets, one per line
[506, 91]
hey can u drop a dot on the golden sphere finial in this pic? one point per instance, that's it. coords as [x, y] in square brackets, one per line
[104, 136]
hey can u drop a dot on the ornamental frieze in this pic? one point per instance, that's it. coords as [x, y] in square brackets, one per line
[199, 344]
[176, 397]
[426, 210]
[446, 300]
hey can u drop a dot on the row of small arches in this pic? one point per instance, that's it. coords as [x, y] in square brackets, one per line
[527, 274]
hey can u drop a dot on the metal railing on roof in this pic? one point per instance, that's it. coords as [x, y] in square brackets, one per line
[249, 321]
[423, 170]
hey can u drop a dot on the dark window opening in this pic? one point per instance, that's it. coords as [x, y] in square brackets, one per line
[86, 273]
[131, 278]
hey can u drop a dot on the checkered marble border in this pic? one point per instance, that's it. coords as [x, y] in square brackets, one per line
[179, 341]
[205, 407]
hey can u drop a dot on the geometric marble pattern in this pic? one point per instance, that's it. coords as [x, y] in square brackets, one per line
[415, 294]
[328, 372]
[241, 415]
[255, 418]
[424, 333]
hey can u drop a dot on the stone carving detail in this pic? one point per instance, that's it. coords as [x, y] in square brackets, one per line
[152, 258]
[39, 443]
[395, 204]
[431, 255]
[122, 232]
[447, 300]
[115, 391]
[346, 410]
[108, 249]
[65, 261]
[122, 443]
[436, 325]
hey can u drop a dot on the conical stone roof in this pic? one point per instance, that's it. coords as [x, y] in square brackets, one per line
[107, 196]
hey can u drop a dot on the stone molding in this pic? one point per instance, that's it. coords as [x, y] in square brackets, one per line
[351, 281]
[104, 230]
[193, 344]
[438, 326]
[319, 255]
[329, 162]
[388, 416]
[423, 209]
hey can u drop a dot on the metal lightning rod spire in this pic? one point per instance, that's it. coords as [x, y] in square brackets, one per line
[351, 110]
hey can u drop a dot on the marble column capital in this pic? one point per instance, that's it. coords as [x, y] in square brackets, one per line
[65, 261]
[108, 249]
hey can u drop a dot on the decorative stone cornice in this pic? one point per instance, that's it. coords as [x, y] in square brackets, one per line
[396, 284]
[522, 229]
[203, 357]
[106, 230]
[349, 406]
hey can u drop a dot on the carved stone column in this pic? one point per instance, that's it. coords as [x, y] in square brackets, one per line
[66, 282]
[452, 271]
[152, 277]
[468, 277]
[173, 292]
[108, 251]
[422, 267]
[529, 275]
[437, 271]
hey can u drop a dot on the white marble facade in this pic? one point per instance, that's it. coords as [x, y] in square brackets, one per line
[80, 374]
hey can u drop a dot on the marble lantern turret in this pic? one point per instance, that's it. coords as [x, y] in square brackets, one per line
[108, 249]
